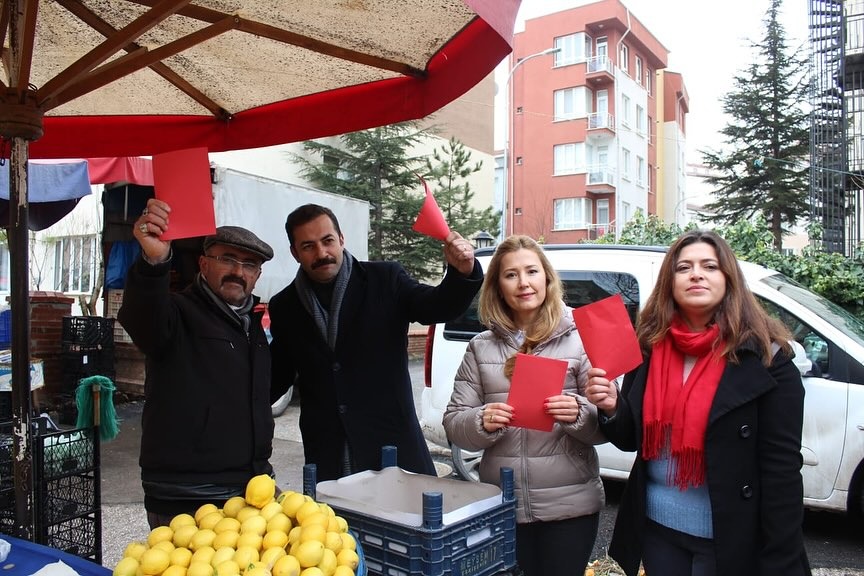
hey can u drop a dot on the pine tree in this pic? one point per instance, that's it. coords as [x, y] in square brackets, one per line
[762, 172]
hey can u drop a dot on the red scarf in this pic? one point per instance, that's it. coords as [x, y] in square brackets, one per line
[683, 407]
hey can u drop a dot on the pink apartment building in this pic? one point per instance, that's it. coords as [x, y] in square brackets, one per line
[595, 129]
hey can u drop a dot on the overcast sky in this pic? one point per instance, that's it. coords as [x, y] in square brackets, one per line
[708, 43]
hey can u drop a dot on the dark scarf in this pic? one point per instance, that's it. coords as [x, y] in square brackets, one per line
[242, 315]
[682, 407]
[326, 320]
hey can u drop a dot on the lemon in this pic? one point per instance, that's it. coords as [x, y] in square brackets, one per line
[159, 534]
[286, 566]
[343, 524]
[271, 555]
[227, 523]
[346, 557]
[333, 524]
[200, 569]
[251, 540]
[294, 534]
[210, 520]
[257, 571]
[165, 545]
[271, 510]
[310, 553]
[228, 568]
[318, 518]
[348, 541]
[174, 570]
[126, 567]
[247, 512]
[343, 571]
[245, 555]
[183, 535]
[274, 539]
[260, 490]
[313, 532]
[312, 571]
[154, 561]
[326, 509]
[291, 503]
[181, 557]
[182, 520]
[307, 509]
[279, 522]
[221, 555]
[203, 554]
[201, 538]
[203, 510]
[254, 524]
[328, 562]
[223, 539]
[134, 550]
[333, 541]
[232, 506]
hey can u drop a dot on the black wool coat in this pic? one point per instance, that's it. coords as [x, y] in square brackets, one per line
[207, 416]
[361, 391]
[753, 469]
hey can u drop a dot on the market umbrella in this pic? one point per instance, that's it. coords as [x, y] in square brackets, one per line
[141, 77]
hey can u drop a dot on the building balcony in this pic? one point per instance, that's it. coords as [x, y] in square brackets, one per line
[600, 178]
[599, 70]
[601, 124]
[596, 231]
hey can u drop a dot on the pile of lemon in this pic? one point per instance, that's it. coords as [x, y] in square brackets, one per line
[259, 535]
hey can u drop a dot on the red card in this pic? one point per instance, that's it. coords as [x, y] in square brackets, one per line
[182, 179]
[608, 336]
[431, 221]
[535, 378]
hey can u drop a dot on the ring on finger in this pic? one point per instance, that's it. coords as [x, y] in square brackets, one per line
[143, 228]
[145, 212]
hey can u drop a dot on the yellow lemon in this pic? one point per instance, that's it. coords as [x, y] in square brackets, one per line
[159, 534]
[343, 571]
[251, 540]
[260, 490]
[294, 534]
[245, 555]
[203, 510]
[271, 510]
[343, 524]
[182, 520]
[312, 571]
[274, 539]
[174, 570]
[221, 555]
[203, 555]
[271, 555]
[307, 509]
[183, 535]
[228, 568]
[165, 545]
[254, 524]
[134, 550]
[126, 567]
[286, 566]
[279, 522]
[328, 563]
[210, 520]
[319, 518]
[200, 569]
[202, 538]
[348, 541]
[332, 524]
[291, 503]
[181, 557]
[310, 553]
[256, 564]
[154, 561]
[226, 539]
[346, 557]
[225, 524]
[326, 509]
[257, 571]
[247, 512]
[232, 506]
[333, 541]
[313, 532]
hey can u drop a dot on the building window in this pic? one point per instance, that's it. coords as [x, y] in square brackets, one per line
[625, 163]
[650, 131]
[603, 212]
[625, 110]
[649, 80]
[574, 48]
[571, 103]
[640, 171]
[75, 262]
[638, 71]
[625, 207]
[572, 213]
[650, 177]
[568, 158]
[640, 120]
[519, 110]
[624, 58]
[518, 160]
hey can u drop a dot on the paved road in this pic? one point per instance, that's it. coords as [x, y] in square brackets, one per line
[835, 544]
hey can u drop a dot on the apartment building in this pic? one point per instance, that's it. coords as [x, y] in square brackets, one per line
[596, 128]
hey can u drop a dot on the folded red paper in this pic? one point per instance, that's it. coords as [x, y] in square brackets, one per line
[608, 336]
[535, 378]
[430, 221]
[182, 179]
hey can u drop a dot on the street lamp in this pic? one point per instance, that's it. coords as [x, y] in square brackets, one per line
[483, 239]
[508, 185]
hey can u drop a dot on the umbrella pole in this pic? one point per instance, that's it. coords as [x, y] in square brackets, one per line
[17, 234]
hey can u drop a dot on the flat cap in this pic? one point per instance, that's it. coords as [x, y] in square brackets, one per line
[240, 238]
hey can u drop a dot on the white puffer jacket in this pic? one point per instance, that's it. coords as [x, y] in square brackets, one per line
[556, 473]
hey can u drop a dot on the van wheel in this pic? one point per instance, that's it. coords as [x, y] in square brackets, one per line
[466, 463]
[855, 506]
[282, 403]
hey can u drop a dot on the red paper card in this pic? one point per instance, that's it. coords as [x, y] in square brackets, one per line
[608, 336]
[430, 221]
[535, 378]
[182, 179]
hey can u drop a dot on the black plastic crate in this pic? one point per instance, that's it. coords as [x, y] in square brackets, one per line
[81, 364]
[79, 536]
[5, 406]
[88, 330]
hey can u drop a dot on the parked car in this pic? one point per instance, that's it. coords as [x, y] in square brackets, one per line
[828, 340]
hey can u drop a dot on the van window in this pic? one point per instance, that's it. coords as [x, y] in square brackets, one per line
[814, 344]
[580, 288]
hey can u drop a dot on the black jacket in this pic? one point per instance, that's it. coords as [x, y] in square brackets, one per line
[753, 469]
[207, 416]
[362, 390]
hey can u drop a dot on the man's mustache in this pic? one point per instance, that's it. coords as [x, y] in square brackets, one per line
[235, 279]
[323, 262]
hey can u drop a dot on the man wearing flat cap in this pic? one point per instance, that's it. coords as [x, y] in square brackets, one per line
[207, 426]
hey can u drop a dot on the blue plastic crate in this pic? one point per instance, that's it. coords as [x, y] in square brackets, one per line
[477, 539]
[5, 329]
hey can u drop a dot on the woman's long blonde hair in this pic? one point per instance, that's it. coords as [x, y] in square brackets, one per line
[494, 310]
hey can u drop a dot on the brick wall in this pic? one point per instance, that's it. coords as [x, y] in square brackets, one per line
[416, 342]
[47, 310]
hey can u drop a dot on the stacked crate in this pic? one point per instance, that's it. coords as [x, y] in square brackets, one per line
[87, 349]
[66, 479]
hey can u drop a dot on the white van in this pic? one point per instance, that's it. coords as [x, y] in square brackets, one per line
[833, 369]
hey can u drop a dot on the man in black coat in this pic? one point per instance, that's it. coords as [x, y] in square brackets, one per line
[341, 329]
[207, 427]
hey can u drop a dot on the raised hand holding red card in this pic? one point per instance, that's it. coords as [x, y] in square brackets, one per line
[608, 336]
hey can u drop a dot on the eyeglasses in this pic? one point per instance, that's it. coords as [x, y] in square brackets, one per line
[230, 262]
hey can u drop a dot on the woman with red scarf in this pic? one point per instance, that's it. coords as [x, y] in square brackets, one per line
[715, 413]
